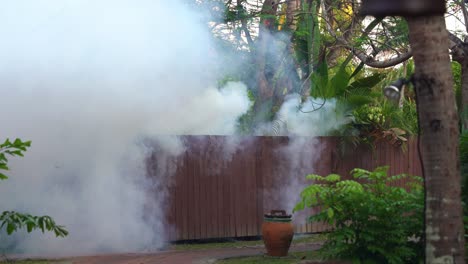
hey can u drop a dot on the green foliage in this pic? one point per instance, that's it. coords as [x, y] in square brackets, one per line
[338, 83]
[406, 117]
[464, 177]
[307, 38]
[457, 74]
[370, 115]
[13, 221]
[397, 29]
[383, 120]
[374, 222]
[398, 122]
[15, 148]
[464, 165]
[464, 169]
[245, 122]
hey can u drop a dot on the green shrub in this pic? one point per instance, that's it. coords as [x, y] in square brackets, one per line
[464, 177]
[373, 222]
[464, 168]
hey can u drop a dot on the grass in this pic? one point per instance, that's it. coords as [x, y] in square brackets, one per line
[293, 258]
[239, 244]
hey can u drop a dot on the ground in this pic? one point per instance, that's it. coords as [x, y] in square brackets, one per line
[190, 253]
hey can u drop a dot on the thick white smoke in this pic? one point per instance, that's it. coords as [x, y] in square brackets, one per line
[96, 85]
[299, 157]
[89, 82]
[312, 118]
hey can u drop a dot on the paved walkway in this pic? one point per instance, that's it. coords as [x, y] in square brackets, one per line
[183, 257]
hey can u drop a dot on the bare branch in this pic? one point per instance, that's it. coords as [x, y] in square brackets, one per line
[371, 62]
[457, 47]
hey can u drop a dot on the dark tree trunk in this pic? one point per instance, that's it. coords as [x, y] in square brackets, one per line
[464, 95]
[265, 40]
[263, 102]
[433, 83]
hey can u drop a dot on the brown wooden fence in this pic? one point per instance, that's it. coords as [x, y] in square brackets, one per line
[222, 186]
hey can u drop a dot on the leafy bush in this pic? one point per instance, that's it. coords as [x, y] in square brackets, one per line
[464, 176]
[386, 121]
[373, 222]
[464, 167]
[11, 220]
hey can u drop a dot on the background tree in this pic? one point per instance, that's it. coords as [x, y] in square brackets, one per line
[433, 82]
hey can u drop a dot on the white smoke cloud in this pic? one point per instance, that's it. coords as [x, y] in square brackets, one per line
[314, 117]
[302, 125]
[89, 82]
[96, 85]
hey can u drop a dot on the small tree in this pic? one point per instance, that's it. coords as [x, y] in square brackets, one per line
[372, 221]
[12, 220]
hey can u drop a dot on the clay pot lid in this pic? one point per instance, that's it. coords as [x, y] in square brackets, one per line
[277, 214]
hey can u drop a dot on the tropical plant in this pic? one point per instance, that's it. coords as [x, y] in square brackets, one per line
[383, 120]
[373, 221]
[11, 220]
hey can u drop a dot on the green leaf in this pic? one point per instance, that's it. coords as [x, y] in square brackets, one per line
[7, 143]
[330, 213]
[314, 177]
[60, 231]
[358, 100]
[41, 223]
[299, 206]
[10, 228]
[367, 82]
[340, 81]
[30, 226]
[319, 81]
[333, 178]
[3, 176]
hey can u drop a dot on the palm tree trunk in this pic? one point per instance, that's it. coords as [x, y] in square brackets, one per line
[291, 14]
[433, 83]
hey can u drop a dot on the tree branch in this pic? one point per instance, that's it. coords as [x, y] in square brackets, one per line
[458, 48]
[244, 25]
[461, 3]
[371, 62]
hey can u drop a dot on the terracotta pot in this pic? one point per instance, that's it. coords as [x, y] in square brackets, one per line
[277, 232]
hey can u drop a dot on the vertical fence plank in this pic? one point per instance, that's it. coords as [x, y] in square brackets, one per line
[198, 195]
[203, 182]
[257, 146]
[181, 199]
[253, 193]
[212, 181]
[242, 201]
[232, 199]
[219, 197]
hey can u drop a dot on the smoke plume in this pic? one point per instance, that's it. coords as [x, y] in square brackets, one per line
[98, 86]
[90, 83]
